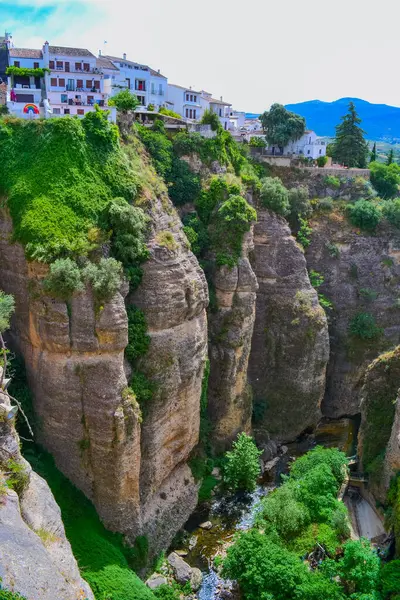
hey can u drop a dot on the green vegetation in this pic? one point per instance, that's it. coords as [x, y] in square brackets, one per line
[390, 580]
[316, 280]
[350, 148]
[332, 181]
[64, 278]
[231, 221]
[385, 179]
[138, 345]
[304, 233]
[7, 306]
[299, 200]
[373, 153]
[275, 196]
[282, 126]
[390, 157]
[6, 595]
[124, 101]
[168, 113]
[363, 326]
[211, 118]
[258, 142]
[25, 71]
[391, 210]
[321, 161]
[242, 467]
[104, 277]
[364, 214]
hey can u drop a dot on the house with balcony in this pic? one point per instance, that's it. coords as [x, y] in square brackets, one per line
[149, 85]
[309, 146]
[191, 104]
[219, 107]
[74, 81]
[26, 91]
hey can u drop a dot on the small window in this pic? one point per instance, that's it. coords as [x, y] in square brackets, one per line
[80, 111]
[194, 113]
[89, 83]
[187, 97]
[59, 65]
[53, 81]
[35, 65]
[79, 83]
[220, 112]
[187, 113]
[96, 85]
[17, 63]
[51, 64]
[191, 97]
[86, 67]
[78, 66]
[61, 82]
[64, 97]
[56, 111]
[66, 66]
[195, 98]
[320, 151]
[308, 151]
[66, 111]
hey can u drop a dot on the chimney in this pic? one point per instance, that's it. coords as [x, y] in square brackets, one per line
[99, 52]
[220, 98]
[158, 70]
[124, 56]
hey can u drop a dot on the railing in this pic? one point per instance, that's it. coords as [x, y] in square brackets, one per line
[94, 70]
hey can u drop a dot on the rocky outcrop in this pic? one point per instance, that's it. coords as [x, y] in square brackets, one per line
[36, 559]
[132, 466]
[290, 343]
[231, 328]
[361, 274]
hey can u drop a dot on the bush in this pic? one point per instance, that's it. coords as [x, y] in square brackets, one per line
[332, 457]
[187, 143]
[304, 233]
[124, 101]
[299, 201]
[364, 214]
[129, 225]
[183, 185]
[63, 279]
[242, 467]
[322, 160]
[363, 326]
[159, 148]
[391, 210]
[283, 512]
[104, 277]
[232, 220]
[332, 182]
[211, 118]
[100, 131]
[138, 340]
[258, 142]
[275, 196]
[7, 595]
[385, 179]
[168, 113]
[359, 567]
[390, 579]
[7, 305]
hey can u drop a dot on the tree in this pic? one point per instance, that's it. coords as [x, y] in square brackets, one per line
[299, 199]
[390, 579]
[390, 157]
[359, 567]
[242, 467]
[211, 118]
[350, 147]
[334, 458]
[391, 210]
[373, 153]
[282, 126]
[124, 101]
[364, 214]
[282, 511]
[6, 309]
[275, 196]
[385, 179]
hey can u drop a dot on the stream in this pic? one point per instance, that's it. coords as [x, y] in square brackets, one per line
[229, 515]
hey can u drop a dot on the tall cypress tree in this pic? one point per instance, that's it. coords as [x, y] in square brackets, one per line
[373, 153]
[390, 157]
[350, 147]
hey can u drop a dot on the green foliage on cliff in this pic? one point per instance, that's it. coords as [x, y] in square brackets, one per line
[363, 326]
[385, 179]
[124, 101]
[231, 221]
[6, 309]
[101, 555]
[391, 210]
[7, 595]
[275, 196]
[241, 466]
[138, 345]
[364, 214]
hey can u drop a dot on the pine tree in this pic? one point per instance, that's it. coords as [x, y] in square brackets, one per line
[390, 157]
[350, 147]
[373, 153]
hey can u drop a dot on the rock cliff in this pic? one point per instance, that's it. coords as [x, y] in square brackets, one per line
[361, 274]
[290, 345]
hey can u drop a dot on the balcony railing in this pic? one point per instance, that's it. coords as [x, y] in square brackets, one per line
[94, 70]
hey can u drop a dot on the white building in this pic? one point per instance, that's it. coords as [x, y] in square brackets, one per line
[75, 83]
[148, 85]
[191, 104]
[25, 93]
[309, 146]
[236, 120]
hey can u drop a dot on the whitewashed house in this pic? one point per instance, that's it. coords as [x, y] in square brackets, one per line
[191, 104]
[26, 92]
[74, 82]
[309, 146]
[236, 120]
[148, 85]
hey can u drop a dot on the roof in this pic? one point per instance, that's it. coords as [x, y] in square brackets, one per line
[187, 89]
[66, 51]
[105, 63]
[215, 101]
[135, 64]
[25, 53]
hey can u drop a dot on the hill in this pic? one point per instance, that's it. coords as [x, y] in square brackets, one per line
[380, 121]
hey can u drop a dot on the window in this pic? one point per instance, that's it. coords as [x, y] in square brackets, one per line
[310, 140]
[71, 85]
[56, 111]
[160, 89]
[79, 83]
[96, 85]
[220, 112]
[35, 65]
[53, 81]
[194, 113]
[24, 98]
[89, 83]
[78, 66]
[187, 113]
[190, 113]
[66, 66]
[142, 100]
[17, 63]
[140, 85]
[51, 64]
[66, 111]
[86, 67]
[128, 83]
[195, 98]
[80, 111]
[191, 97]
[308, 151]
[320, 151]
[61, 82]
[64, 97]
[59, 65]
[187, 97]
[153, 88]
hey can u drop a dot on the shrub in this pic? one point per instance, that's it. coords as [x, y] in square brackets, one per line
[129, 225]
[325, 203]
[187, 143]
[183, 185]
[7, 595]
[138, 340]
[317, 490]
[391, 210]
[283, 512]
[359, 567]
[332, 457]
[299, 201]
[151, 107]
[104, 277]
[63, 279]
[168, 113]
[159, 148]
[258, 142]
[242, 467]
[7, 305]
[99, 130]
[124, 101]
[390, 579]
[211, 118]
[363, 326]
[322, 160]
[364, 214]
[275, 196]
[385, 179]
[143, 388]
[332, 182]
[304, 233]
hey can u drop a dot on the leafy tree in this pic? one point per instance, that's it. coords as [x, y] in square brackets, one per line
[183, 185]
[332, 457]
[232, 219]
[391, 210]
[373, 153]
[211, 118]
[158, 146]
[258, 142]
[124, 101]
[350, 147]
[322, 160]
[275, 196]
[385, 179]
[390, 579]
[299, 202]
[282, 511]
[129, 224]
[390, 157]
[282, 126]
[64, 278]
[364, 214]
[104, 277]
[317, 490]
[242, 467]
[359, 567]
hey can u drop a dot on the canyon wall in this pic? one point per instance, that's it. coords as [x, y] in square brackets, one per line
[290, 345]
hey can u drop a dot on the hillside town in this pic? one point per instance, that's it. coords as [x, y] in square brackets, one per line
[55, 81]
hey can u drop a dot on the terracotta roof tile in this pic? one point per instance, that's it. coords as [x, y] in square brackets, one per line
[25, 53]
[66, 51]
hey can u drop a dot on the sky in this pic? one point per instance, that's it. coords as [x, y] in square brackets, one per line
[250, 52]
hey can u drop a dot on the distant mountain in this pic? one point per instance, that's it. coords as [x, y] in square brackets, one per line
[380, 121]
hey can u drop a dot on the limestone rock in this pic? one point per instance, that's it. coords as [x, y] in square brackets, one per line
[196, 579]
[182, 571]
[156, 580]
[290, 345]
[206, 525]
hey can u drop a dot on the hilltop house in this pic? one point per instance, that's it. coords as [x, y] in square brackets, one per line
[148, 85]
[309, 146]
[191, 104]
[26, 82]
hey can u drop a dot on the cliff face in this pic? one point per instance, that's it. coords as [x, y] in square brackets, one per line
[361, 274]
[133, 471]
[231, 329]
[290, 345]
[36, 559]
